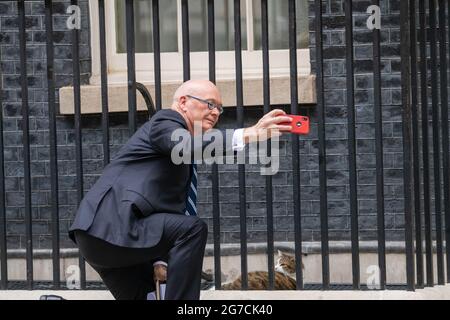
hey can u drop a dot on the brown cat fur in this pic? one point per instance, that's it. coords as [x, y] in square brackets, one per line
[259, 280]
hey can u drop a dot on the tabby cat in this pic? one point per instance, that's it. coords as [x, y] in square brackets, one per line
[285, 278]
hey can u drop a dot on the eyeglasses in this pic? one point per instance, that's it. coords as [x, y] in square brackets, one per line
[211, 105]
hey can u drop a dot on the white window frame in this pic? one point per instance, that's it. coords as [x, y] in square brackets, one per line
[172, 62]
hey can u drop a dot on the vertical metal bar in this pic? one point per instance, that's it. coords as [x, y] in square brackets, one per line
[78, 142]
[26, 143]
[186, 47]
[447, 213]
[240, 121]
[416, 151]
[444, 125]
[131, 65]
[425, 148]
[104, 82]
[352, 144]
[379, 154]
[157, 53]
[269, 192]
[322, 150]
[436, 147]
[211, 42]
[204, 12]
[52, 136]
[406, 125]
[215, 168]
[226, 13]
[3, 240]
[295, 144]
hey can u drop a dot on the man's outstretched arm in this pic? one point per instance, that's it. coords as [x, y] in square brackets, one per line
[271, 125]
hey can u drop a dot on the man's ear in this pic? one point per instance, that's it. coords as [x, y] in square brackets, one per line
[182, 103]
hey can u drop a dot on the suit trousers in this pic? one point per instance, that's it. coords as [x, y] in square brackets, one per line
[128, 272]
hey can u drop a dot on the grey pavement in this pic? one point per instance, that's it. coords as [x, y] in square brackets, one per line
[435, 293]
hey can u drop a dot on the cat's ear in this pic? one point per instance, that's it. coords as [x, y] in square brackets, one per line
[280, 253]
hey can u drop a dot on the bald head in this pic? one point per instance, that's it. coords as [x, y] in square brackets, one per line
[201, 88]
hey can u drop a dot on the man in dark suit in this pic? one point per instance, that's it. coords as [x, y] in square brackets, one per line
[140, 216]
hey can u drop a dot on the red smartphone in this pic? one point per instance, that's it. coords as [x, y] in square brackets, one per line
[300, 124]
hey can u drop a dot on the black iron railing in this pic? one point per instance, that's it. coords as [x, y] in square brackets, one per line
[410, 29]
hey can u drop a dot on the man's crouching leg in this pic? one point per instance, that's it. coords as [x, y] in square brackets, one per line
[187, 237]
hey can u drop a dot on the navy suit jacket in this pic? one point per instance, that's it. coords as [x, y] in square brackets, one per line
[139, 181]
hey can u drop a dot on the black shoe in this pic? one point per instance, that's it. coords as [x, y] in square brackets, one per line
[207, 281]
[51, 297]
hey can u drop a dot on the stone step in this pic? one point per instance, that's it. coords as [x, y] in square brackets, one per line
[435, 293]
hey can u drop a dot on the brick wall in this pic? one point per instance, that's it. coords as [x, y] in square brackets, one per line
[336, 120]
[39, 138]
[336, 134]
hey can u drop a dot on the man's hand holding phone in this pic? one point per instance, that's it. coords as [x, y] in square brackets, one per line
[300, 124]
[274, 124]
[269, 126]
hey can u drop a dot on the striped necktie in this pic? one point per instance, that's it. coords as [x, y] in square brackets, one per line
[191, 208]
